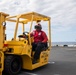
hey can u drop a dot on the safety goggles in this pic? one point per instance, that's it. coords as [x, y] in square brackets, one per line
[37, 27]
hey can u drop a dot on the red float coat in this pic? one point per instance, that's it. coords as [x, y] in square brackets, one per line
[39, 36]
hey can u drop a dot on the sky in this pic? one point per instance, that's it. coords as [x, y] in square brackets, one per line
[62, 13]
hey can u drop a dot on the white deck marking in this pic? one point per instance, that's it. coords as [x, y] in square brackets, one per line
[51, 62]
[31, 73]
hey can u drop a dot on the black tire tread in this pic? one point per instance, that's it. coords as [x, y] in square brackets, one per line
[7, 62]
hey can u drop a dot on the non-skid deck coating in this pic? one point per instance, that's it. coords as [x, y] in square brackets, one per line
[62, 61]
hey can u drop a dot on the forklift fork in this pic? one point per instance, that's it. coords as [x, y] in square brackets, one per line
[1, 62]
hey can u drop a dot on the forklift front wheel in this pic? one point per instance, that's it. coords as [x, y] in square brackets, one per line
[13, 64]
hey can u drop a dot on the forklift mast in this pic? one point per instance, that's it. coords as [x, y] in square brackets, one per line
[2, 28]
[2, 38]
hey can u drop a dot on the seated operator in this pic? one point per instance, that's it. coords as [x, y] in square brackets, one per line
[40, 41]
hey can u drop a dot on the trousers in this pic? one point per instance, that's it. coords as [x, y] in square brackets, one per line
[37, 47]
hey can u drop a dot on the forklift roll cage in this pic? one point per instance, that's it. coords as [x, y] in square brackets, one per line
[30, 17]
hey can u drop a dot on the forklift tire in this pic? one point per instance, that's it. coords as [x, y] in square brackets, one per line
[13, 64]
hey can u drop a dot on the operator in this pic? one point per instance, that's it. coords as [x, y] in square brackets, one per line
[40, 41]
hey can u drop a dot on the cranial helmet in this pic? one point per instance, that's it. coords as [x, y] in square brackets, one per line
[38, 26]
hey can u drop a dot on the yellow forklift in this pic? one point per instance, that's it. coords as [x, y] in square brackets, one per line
[17, 54]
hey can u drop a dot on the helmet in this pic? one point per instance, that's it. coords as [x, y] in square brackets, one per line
[38, 26]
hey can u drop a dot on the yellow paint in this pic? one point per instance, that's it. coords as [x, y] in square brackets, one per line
[1, 62]
[2, 39]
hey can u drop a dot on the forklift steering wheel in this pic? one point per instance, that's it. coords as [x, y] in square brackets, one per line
[25, 34]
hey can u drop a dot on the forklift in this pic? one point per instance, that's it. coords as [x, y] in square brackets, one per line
[17, 54]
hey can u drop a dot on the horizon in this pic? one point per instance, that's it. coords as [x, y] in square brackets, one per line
[65, 41]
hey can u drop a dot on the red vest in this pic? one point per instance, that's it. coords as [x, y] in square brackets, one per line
[39, 36]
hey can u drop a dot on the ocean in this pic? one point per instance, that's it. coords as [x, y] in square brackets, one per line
[63, 43]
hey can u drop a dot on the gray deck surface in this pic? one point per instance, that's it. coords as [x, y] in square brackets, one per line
[62, 61]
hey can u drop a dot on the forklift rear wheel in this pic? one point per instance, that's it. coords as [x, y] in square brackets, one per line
[13, 64]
